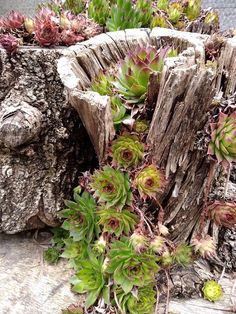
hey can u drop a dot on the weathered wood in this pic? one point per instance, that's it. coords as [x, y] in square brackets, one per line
[185, 96]
[226, 81]
[43, 145]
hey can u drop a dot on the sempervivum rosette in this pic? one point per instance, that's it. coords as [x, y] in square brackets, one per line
[111, 187]
[133, 76]
[142, 302]
[127, 151]
[204, 246]
[223, 138]
[223, 213]
[149, 181]
[45, 28]
[117, 222]
[130, 268]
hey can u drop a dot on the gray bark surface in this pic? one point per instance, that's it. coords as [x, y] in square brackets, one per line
[43, 145]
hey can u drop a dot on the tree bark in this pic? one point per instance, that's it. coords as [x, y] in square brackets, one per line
[44, 146]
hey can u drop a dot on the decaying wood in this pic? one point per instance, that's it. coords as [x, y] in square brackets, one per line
[43, 145]
[185, 96]
[87, 59]
[226, 81]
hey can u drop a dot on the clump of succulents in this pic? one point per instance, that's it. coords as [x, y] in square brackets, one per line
[212, 291]
[130, 268]
[192, 9]
[117, 222]
[90, 278]
[204, 246]
[99, 10]
[133, 76]
[223, 139]
[102, 84]
[112, 187]
[81, 217]
[118, 111]
[141, 301]
[123, 15]
[149, 181]
[145, 11]
[51, 255]
[9, 42]
[127, 151]
[222, 213]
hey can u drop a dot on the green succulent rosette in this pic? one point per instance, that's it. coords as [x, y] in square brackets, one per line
[133, 76]
[212, 291]
[102, 84]
[149, 181]
[117, 222]
[141, 301]
[111, 187]
[130, 268]
[99, 11]
[90, 278]
[223, 138]
[223, 213]
[81, 217]
[127, 151]
[118, 110]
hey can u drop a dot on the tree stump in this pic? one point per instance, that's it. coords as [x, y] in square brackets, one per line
[44, 146]
[186, 92]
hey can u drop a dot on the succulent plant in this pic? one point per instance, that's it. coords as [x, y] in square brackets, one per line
[111, 187]
[123, 16]
[192, 9]
[81, 217]
[9, 42]
[212, 291]
[212, 17]
[183, 254]
[204, 246]
[127, 151]
[223, 213]
[167, 258]
[117, 222]
[223, 138]
[133, 76]
[90, 278]
[175, 11]
[14, 20]
[149, 181]
[99, 10]
[118, 110]
[51, 255]
[45, 28]
[139, 241]
[141, 126]
[129, 268]
[74, 250]
[68, 37]
[75, 6]
[144, 7]
[159, 20]
[29, 25]
[102, 84]
[162, 4]
[141, 301]
[99, 246]
[157, 244]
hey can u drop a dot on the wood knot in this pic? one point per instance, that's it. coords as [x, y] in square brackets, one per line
[18, 125]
